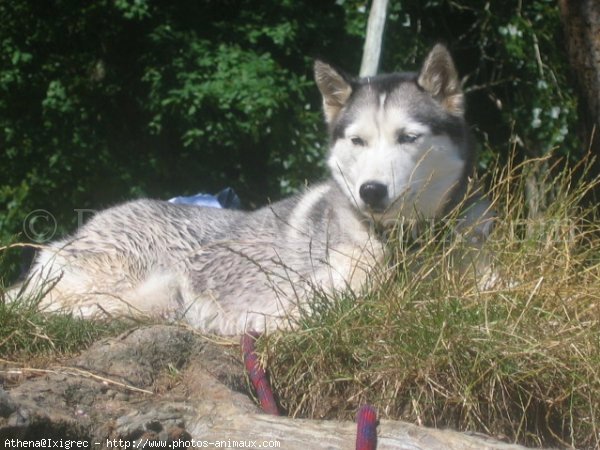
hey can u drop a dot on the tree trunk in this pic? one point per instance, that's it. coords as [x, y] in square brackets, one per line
[374, 38]
[581, 21]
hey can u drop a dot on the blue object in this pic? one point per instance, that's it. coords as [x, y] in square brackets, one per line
[227, 198]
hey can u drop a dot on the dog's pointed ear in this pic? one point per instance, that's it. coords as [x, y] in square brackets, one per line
[438, 76]
[334, 87]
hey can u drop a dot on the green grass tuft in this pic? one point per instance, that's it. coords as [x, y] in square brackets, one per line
[25, 332]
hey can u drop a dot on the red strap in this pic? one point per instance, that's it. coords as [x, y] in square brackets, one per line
[257, 375]
[366, 433]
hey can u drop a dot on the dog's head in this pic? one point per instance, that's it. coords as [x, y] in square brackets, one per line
[399, 143]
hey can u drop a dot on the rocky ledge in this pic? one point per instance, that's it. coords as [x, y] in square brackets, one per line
[168, 386]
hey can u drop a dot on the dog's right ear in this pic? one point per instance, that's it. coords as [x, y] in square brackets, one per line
[439, 77]
[334, 88]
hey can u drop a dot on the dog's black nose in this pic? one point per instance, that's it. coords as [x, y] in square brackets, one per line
[373, 194]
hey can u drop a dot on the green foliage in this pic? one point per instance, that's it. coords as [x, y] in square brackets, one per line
[106, 101]
[136, 9]
[531, 78]
[512, 57]
[111, 100]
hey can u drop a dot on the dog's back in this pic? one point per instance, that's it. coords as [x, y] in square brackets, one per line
[223, 271]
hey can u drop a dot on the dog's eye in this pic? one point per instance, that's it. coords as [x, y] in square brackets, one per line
[358, 141]
[408, 138]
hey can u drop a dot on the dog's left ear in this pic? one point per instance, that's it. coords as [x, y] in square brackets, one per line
[334, 87]
[438, 76]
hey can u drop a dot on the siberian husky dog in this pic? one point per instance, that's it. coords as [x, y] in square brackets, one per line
[399, 149]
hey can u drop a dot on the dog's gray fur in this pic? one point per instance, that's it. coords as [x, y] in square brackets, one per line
[399, 147]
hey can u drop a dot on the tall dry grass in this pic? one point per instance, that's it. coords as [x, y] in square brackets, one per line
[516, 355]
